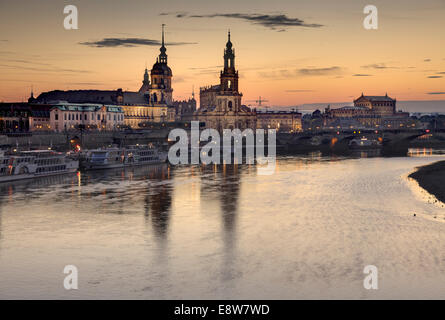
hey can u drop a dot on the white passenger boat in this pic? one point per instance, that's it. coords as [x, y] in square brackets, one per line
[364, 143]
[110, 158]
[31, 164]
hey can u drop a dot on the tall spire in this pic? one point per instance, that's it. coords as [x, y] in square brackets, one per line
[229, 55]
[163, 55]
[163, 25]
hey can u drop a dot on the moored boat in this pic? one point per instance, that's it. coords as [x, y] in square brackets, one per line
[37, 163]
[364, 143]
[110, 158]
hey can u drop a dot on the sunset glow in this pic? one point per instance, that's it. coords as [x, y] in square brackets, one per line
[328, 57]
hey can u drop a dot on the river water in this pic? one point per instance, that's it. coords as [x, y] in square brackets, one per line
[226, 232]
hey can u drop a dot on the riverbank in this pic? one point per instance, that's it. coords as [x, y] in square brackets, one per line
[431, 178]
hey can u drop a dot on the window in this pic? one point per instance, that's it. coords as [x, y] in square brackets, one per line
[57, 116]
[65, 116]
[229, 84]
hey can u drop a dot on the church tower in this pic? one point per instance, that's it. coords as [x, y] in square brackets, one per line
[161, 76]
[228, 99]
[229, 76]
[221, 106]
[145, 83]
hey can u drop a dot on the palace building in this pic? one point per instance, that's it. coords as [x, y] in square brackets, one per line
[369, 111]
[378, 105]
[220, 105]
[150, 104]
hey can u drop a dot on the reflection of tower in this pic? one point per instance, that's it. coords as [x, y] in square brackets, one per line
[228, 187]
[161, 76]
[158, 203]
[229, 195]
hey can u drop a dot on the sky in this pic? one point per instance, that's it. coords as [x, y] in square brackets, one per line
[289, 52]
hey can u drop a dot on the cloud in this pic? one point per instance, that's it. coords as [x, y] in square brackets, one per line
[362, 75]
[434, 77]
[319, 71]
[437, 92]
[206, 68]
[427, 60]
[378, 66]
[27, 62]
[298, 90]
[440, 72]
[51, 69]
[129, 42]
[84, 83]
[310, 71]
[271, 21]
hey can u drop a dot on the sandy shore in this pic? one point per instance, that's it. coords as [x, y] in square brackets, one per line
[432, 179]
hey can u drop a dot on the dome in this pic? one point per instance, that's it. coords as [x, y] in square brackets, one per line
[229, 43]
[161, 69]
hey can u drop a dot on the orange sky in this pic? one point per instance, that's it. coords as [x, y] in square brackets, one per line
[288, 63]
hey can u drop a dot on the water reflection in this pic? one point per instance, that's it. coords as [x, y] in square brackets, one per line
[225, 183]
[221, 231]
[157, 203]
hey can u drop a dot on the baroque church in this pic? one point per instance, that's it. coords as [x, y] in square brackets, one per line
[159, 91]
[220, 105]
[152, 103]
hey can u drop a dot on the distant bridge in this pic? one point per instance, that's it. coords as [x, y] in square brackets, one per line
[387, 137]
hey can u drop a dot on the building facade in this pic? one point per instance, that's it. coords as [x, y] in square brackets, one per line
[182, 110]
[68, 116]
[379, 105]
[282, 121]
[14, 117]
[367, 112]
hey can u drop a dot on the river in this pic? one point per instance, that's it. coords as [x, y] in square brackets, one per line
[226, 232]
